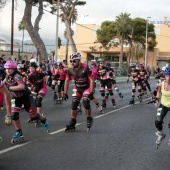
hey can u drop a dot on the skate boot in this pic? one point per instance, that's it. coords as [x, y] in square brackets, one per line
[100, 108]
[71, 125]
[140, 99]
[131, 101]
[113, 103]
[55, 98]
[79, 111]
[107, 96]
[160, 136]
[17, 138]
[120, 95]
[103, 105]
[89, 123]
[59, 100]
[45, 124]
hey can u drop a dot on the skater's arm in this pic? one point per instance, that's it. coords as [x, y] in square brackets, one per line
[158, 94]
[66, 85]
[7, 99]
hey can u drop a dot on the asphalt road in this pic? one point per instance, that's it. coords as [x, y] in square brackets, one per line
[120, 139]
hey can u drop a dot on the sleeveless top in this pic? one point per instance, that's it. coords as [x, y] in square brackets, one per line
[165, 98]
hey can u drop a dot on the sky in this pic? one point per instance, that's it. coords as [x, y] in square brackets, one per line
[94, 12]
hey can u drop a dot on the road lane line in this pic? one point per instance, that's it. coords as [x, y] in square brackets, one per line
[14, 147]
[63, 129]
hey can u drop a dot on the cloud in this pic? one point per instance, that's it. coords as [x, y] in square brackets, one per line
[94, 12]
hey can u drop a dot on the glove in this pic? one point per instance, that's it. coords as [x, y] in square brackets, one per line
[90, 96]
[65, 97]
[127, 81]
[8, 120]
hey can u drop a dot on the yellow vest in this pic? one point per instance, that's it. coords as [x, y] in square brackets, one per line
[165, 98]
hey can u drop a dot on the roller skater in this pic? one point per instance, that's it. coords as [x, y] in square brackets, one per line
[89, 123]
[84, 86]
[105, 81]
[21, 95]
[113, 80]
[71, 126]
[164, 106]
[136, 81]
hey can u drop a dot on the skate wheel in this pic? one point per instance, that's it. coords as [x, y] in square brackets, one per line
[17, 140]
[88, 129]
[157, 146]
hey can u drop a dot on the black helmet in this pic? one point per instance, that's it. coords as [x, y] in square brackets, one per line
[33, 64]
[108, 65]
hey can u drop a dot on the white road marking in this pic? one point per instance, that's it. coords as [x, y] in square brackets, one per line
[14, 147]
[63, 129]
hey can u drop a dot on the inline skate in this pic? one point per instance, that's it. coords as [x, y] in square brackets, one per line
[120, 95]
[160, 136]
[17, 138]
[132, 101]
[89, 123]
[59, 100]
[113, 103]
[55, 98]
[71, 126]
[100, 108]
[79, 111]
[45, 124]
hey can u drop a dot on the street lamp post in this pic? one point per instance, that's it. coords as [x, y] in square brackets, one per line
[56, 46]
[146, 44]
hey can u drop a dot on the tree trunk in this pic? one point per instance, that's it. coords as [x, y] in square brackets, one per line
[121, 53]
[69, 34]
[67, 49]
[33, 32]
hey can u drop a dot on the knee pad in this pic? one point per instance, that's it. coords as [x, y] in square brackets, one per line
[111, 92]
[86, 104]
[102, 93]
[139, 90]
[75, 104]
[144, 88]
[15, 116]
[38, 101]
[133, 90]
[53, 87]
[158, 125]
[116, 88]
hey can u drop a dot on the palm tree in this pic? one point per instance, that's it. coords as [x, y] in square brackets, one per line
[123, 30]
[73, 19]
[67, 43]
[21, 27]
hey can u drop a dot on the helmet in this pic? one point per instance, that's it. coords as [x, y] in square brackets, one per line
[132, 64]
[167, 70]
[75, 56]
[59, 63]
[33, 60]
[141, 65]
[100, 60]
[33, 64]
[10, 64]
[108, 65]
[163, 68]
[20, 66]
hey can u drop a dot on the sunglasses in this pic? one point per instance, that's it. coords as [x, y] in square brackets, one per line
[72, 61]
[101, 63]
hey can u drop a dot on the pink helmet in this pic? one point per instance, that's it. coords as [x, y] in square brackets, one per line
[10, 64]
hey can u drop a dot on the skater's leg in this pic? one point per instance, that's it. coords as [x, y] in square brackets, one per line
[39, 102]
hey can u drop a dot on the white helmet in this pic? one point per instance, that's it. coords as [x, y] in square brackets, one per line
[163, 68]
[75, 56]
[20, 66]
[33, 60]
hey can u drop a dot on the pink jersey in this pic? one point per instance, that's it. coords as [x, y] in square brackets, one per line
[94, 71]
